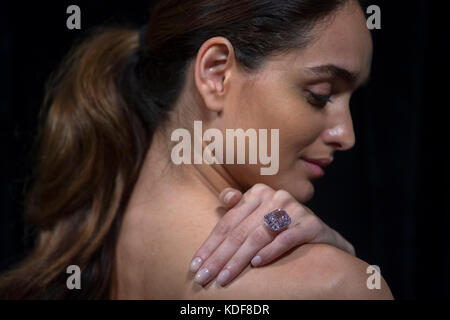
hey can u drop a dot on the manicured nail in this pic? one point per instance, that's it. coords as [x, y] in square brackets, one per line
[256, 260]
[195, 264]
[202, 276]
[222, 277]
[228, 196]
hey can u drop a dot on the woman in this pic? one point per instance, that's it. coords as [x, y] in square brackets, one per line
[110, 198]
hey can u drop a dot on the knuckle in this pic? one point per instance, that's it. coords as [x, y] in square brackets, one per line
[238, 236]
[259, 189]
[212, 264]
[289, 239]
[260, 236]
[258, 186]
[223, 228]
[258, 192]
[266, 194]
[282, 196]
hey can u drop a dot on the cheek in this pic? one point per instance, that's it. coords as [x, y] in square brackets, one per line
[271, 105]
[282, 108]
[298, 131]
[277, 106]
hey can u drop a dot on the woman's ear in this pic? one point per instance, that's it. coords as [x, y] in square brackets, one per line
[212, 70]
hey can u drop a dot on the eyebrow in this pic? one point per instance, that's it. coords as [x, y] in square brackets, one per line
[332, 70]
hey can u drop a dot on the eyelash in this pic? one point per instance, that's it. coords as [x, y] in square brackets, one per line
[319, 100]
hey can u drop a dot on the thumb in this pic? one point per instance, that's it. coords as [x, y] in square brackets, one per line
[229, 197]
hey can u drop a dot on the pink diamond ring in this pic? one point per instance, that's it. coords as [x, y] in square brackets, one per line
[277, 220]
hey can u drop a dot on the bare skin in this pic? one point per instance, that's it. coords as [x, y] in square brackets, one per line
[174, 208]
[157, 243]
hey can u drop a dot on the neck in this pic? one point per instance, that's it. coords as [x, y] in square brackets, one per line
[161, 179]
[215, 176]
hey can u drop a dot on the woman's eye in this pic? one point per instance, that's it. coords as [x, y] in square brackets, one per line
[318, 100]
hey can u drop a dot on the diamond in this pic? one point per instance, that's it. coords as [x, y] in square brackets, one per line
[277, 220]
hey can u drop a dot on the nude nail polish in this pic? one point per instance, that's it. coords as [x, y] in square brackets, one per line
[256, 260]
[202, 276]
[223, 277]
[195, 264]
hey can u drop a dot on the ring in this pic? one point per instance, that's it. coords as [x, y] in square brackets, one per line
[277, 220]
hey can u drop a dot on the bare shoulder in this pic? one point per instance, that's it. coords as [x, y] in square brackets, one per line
[311, 271]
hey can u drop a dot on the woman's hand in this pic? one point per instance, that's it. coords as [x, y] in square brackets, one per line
[241, 237]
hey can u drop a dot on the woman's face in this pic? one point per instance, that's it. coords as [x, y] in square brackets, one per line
[305, 94]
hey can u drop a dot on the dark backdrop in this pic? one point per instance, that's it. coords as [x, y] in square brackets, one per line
[389, 195]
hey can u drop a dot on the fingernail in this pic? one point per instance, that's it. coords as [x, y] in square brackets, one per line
[202, 276]
[195, 264]
[256, 260]
[223, 276]
[228, 197]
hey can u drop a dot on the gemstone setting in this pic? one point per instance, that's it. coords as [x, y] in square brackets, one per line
[277, 220]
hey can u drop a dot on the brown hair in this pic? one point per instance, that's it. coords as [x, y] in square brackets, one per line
[100, 111]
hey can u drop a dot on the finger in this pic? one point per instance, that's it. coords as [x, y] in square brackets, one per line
[297, 233]
[231, 219]
[247, 204]
[236, 239]
[222, 254]
[229, 197]
[285, 241]
[258, 239]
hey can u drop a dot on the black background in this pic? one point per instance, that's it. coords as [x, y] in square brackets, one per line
[389, 195]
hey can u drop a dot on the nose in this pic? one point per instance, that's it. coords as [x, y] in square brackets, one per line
[340, 134]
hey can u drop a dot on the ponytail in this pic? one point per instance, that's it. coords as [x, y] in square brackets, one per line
[90, 147]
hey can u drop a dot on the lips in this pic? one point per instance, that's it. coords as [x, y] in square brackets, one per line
[321, 162]
[317, 165]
